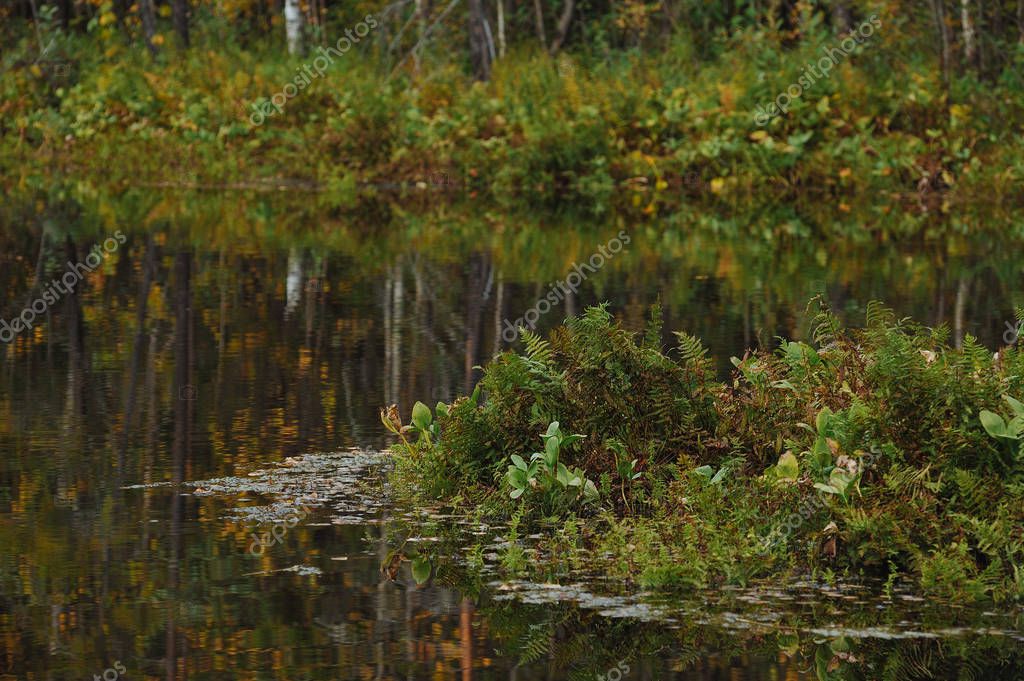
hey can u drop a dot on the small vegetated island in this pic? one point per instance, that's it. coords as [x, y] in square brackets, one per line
[877, 453]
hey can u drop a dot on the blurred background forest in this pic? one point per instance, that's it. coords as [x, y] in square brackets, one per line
[639, 104]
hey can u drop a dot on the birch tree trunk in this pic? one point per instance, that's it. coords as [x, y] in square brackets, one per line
[293, 26]
[970, 38]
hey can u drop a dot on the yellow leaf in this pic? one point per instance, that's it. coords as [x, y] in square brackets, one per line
[845, 172]
[158, 39]
[717, 185]
[660, 185]
[758, 135]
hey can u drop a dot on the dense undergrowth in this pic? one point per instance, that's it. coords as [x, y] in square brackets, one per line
[640, 131]
[880, 452]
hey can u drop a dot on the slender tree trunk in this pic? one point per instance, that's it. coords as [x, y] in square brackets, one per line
[501, 28]
[478, 43]
[939, 11]
[539, 15]
[148, 24]
[179, 13]
[293, 26]
[563, 26]
[970, 37]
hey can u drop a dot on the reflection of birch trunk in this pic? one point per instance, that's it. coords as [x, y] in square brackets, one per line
[466, 638]
[962, 290]
[499, 313]
[141, 310]
[396, 332]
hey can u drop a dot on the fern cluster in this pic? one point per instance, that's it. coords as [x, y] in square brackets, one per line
[884, 423]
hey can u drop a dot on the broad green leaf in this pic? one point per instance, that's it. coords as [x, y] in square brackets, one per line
[552, 429]
[704, 471]
[993, 423]
[421, 416]
[590, 490]
[821, 422]
[719, 476]
[441, 409]
[788, 468]
[840, 480]
[1015, 427]
[420, 569]
[826, 488]
[822, 453]
[1018, 407]
[518, 461]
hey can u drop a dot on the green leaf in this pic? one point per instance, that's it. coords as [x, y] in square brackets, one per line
[518, 461]
[563, 474]
[788, 468]
[421, 416]
[719, 476]
[704, 471]
[420, 569]
[516, 493]
[826, 488]
[552, 430]
[1018, 407]
[822, 421]
[1015, 427]
[590, 490]
[441, 409]
[993, 423]
[569, 439]
[840, 480]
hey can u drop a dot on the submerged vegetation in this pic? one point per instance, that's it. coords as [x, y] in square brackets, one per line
[873, 453]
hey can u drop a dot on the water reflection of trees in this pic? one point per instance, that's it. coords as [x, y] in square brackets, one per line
[213, 342]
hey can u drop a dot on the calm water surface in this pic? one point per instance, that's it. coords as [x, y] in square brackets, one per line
[219, 367]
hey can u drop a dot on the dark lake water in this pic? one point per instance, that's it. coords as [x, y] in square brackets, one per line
[225, 360]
